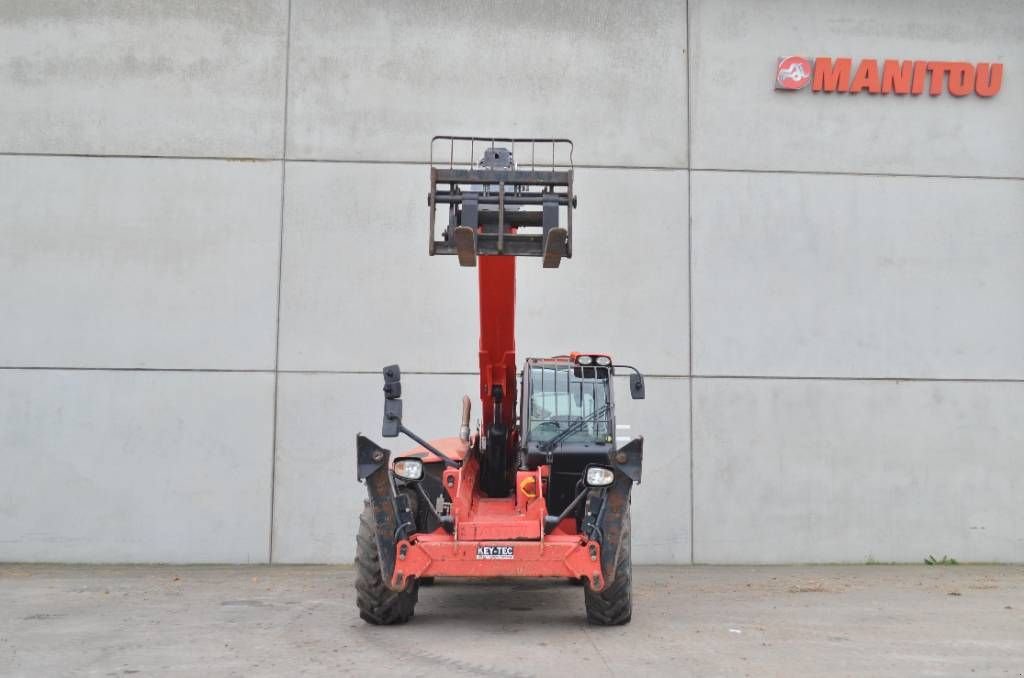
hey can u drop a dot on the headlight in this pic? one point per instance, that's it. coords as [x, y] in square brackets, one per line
[603, 360]
[408, 469]
[599, 476]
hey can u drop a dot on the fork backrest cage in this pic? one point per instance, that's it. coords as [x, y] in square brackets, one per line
[527, 194]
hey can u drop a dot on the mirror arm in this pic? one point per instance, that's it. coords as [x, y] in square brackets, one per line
[393, 425]
[430, 448]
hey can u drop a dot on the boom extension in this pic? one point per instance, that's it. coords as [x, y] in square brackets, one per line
[496, 207]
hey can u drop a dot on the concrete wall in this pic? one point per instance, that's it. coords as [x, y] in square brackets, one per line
[194, 200]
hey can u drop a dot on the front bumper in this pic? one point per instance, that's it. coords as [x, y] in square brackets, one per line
[436, 555]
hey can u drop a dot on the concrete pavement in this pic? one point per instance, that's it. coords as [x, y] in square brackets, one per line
[701, 621]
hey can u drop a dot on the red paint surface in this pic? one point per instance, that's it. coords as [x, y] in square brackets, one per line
[497, 284]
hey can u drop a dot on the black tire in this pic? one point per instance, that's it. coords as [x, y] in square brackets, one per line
[377, 603]
[613, 606]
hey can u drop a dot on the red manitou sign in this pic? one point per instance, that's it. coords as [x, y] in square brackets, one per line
[794, 72]
[892, 76]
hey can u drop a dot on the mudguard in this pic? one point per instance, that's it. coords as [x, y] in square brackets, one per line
[372, 466]
[627, 463]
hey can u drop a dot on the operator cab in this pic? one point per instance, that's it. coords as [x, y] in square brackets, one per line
[568, 408]
[567, 419]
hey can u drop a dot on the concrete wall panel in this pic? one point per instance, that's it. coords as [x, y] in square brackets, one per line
[138, 263]
[661, 503]
[152, 78]
[317, 498]
[853, 471]
[817, 277]
[825, 275]
[127, 466]
[374, 81]
[739, 122]
[360, 292]
[625, 291]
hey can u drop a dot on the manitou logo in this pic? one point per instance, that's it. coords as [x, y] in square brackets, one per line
[958, 78]
[794, 72]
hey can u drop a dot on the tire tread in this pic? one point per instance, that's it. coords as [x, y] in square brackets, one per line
[377, 603]
[613, 606]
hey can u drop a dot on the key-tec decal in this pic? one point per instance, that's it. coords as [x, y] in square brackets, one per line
[495, 553]
[958, 78]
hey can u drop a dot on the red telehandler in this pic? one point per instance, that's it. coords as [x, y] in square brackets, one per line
[540, 488]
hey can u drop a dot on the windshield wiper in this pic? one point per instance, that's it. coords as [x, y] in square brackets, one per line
[549, 445]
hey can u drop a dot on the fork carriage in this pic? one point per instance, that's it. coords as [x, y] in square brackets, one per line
[498, 207]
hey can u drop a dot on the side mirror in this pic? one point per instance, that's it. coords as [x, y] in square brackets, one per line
[392, 382]
[636, 386]
[392, 418]
[392, 402]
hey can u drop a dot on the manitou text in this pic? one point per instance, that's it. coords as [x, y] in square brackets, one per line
[892, 76]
